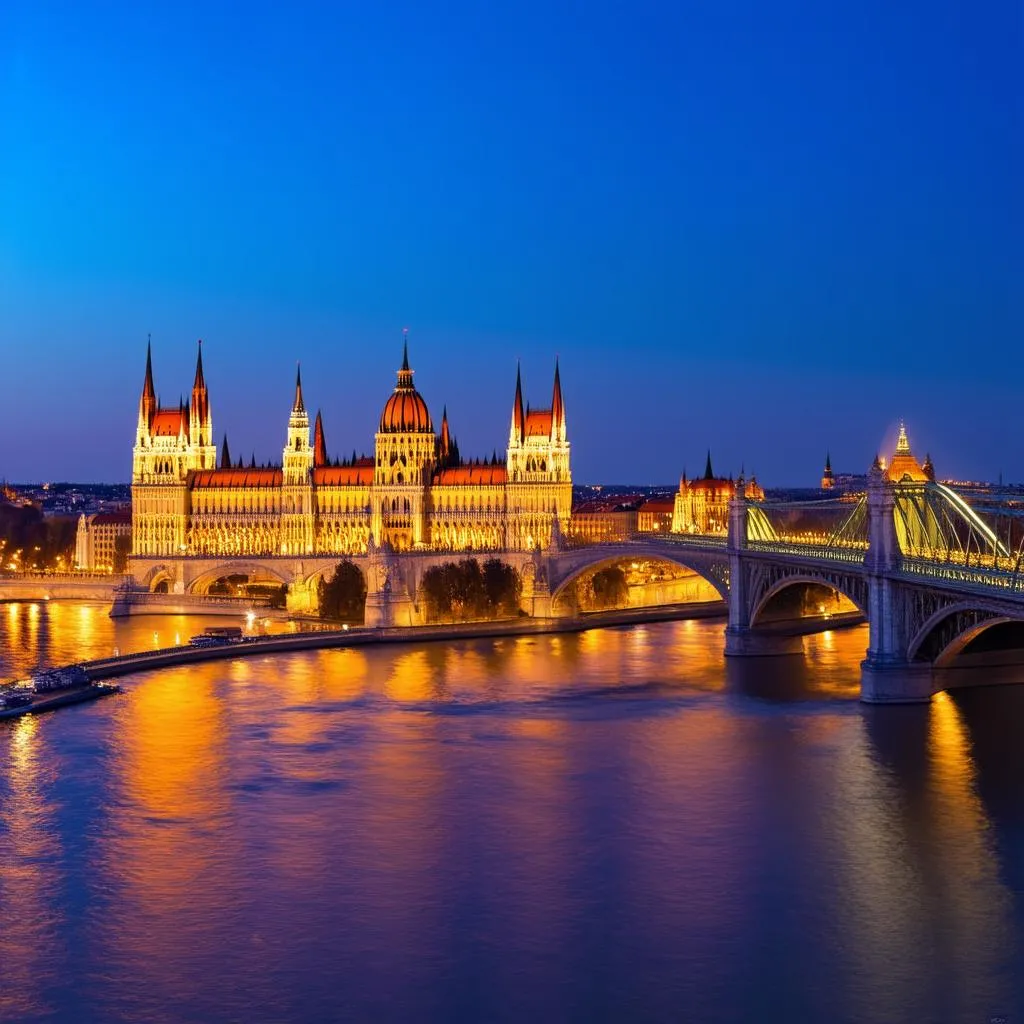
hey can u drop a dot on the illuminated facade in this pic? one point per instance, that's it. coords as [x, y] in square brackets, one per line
[702, 505]
[656, 515]
[96, 539]
[416, 493]
[904, 467]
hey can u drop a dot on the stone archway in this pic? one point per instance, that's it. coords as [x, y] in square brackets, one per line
[791, 596]
[711, 585]
[253, 571]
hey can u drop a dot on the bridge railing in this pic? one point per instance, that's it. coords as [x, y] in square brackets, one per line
[713, 541]
[834, 553]
[199, 600]
[86, 576]
[1002, 578]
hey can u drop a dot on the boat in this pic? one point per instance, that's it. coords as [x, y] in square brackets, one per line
[215, 636]
[24, 702]
[15, 698]
[60, 679]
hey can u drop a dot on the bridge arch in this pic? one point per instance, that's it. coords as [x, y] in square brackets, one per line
[202, 583]
[947, 632]
[158, 577]
[324, 572]
[596, 559]
[852, 589]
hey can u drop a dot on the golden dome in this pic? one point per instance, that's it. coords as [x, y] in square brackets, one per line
[405, 412]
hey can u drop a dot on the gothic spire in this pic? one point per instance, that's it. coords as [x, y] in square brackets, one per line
[445, 441]
[405, 373]
[199, 405]
[708, 475]
[557, 409]
[199, 382]
[518, 416]
[148, 391]
[225, 455]
[299, 405]
[828, 462]
[148, 403]
[902, 442]
[319, 444]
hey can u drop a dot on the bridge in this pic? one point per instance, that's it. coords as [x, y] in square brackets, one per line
[928, 573]
[940, 585]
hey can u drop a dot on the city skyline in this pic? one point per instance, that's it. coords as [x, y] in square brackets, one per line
[352, 440]
[773, 235]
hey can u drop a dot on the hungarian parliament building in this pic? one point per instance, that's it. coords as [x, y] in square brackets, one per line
[417, 492]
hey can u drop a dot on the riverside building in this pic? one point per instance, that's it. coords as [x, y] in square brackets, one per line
[415, 493]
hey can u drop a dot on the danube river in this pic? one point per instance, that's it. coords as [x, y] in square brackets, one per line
[610, 826]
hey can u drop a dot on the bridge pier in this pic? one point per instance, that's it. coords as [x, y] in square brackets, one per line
[887, 676]
[741, 640]
[752, 643]
[895, 681]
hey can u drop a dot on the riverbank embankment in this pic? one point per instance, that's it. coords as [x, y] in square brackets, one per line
[147, 661]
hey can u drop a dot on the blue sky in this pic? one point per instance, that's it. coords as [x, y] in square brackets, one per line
[770, 229]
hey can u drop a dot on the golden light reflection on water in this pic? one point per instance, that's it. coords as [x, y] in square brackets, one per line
[917, 880]
[30, 917]
[385, 812]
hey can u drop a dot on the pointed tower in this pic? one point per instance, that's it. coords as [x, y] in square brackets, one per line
[165, 453]
[557, 410]
[202, 450]
[708, 474]
[225, 454]
[297, 480]
[537, 470]
[147, 403]
[902, 441]
[517, 430]
[444, 441]
[904, 467]
[298, 456]
[319, 443]
[827, 479]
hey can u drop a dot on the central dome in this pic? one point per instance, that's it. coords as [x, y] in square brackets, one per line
[405, 412]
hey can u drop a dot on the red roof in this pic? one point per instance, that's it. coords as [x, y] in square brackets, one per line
[493, 475]
[169, 422]
[237, 477]
[538, 423]
[118, 518]
[405, 412]
[658, 505]
[711, 484]
[360, 474]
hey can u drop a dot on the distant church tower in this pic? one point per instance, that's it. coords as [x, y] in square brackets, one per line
[828, 480]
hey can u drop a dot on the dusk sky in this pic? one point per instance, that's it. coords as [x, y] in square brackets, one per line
[770, 229]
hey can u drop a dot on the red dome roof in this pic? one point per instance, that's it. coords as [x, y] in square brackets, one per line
[405, 412]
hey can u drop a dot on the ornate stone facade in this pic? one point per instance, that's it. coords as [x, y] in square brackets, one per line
[416, 493]
[702, 505]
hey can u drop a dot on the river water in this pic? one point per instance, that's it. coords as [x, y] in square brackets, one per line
[610, 826]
